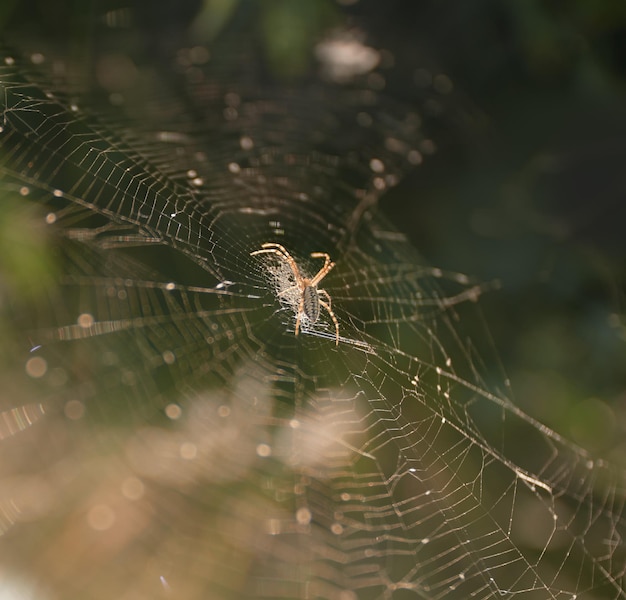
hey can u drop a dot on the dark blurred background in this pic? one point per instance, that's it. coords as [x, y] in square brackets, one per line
[527, 113]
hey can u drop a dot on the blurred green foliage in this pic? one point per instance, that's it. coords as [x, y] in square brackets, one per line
[290, 29]
[28, 267]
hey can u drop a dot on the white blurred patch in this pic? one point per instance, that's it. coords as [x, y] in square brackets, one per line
[15, 588]
[345, 57]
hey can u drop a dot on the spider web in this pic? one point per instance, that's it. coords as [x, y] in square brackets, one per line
[172, 437]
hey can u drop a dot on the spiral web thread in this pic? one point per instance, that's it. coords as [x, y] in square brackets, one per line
[252, 463]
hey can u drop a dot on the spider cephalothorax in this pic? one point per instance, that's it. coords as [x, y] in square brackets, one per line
[309, 301]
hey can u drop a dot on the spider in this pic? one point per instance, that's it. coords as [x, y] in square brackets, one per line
[309, 301]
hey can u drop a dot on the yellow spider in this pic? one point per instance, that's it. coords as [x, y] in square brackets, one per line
[309, 301]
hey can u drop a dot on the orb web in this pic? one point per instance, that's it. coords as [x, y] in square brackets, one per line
[166, 413]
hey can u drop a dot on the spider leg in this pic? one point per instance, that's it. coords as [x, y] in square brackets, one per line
[297, 324]
[277, 246]
[271, 248]
[269, 251]
[277, 249]
[334, 318]
[328, 265]
[327, 296]
[323, 255]
[299, 316]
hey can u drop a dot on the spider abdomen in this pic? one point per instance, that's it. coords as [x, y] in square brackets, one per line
[311, 303]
